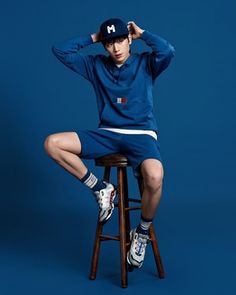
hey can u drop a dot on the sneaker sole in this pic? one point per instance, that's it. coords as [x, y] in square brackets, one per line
[129, 262]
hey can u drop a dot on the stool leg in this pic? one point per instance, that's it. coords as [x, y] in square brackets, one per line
[107, 173]
[127, 218]
[96, 248]
[153, 238]
[156, 253]
[127, 215]
[121, 192]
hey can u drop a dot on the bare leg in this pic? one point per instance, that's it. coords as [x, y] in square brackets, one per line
[152, 172]
[64, 149]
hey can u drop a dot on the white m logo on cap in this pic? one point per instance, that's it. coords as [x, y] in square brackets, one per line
[111, 28]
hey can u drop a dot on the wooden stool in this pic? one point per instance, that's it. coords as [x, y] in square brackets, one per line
[121, 162]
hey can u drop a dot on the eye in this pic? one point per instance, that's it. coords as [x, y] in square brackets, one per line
[109, 44]
[120, 40]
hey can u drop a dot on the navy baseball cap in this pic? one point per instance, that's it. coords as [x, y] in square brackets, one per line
[113, 28]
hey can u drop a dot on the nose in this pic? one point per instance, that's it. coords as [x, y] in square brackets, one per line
[115, 46]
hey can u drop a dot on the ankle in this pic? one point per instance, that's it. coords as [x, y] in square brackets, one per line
[90, 180]
[144, 225]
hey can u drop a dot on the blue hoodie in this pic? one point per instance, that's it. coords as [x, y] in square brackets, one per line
[124, 94]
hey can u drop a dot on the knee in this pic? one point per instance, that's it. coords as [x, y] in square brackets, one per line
[51, 144]
[153, 180]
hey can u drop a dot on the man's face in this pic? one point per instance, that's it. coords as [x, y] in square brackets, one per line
[119, 48]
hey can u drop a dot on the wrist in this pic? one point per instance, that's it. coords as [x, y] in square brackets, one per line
[140, 33]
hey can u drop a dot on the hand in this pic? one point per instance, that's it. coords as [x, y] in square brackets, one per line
[134, 30]
[96, 37]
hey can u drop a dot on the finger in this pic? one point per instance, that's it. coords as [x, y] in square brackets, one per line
[132, 26]
[129, 27]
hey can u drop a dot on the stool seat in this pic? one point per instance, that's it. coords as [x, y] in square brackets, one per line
[112, 160]
[121, 163]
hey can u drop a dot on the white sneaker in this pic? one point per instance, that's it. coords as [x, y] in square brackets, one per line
[136, 253]
[105, 198]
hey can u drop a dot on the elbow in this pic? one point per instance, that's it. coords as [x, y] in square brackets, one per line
[171, 51]
[168, 54]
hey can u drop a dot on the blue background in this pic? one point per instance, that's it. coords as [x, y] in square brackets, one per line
[47, 217]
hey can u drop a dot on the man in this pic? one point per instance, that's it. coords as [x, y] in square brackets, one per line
[123, 84]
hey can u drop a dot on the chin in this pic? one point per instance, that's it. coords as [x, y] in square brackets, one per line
[118, 60]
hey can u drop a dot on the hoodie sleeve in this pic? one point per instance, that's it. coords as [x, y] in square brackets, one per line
[161, 55]
[68, 52]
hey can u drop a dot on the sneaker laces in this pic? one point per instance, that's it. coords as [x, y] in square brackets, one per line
[141, 243]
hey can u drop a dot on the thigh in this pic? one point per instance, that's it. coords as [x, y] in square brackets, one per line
[139, 149]
[97, 143]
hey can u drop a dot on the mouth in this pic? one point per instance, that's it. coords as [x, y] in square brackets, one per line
[118, 55]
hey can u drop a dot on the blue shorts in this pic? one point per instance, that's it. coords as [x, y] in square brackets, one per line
[136, 147]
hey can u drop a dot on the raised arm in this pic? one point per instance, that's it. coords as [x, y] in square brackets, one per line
[162, 50]
[68, 52]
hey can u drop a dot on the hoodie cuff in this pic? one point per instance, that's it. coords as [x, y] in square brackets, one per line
[88, 39]
[145, 35]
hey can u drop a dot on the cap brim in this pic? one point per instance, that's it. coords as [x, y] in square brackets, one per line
[113, 37]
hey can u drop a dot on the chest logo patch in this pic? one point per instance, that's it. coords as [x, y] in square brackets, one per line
[121, 100]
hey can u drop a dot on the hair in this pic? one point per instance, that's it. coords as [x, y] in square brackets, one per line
[111, 39]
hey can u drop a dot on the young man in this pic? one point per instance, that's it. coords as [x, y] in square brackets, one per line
[123, 84]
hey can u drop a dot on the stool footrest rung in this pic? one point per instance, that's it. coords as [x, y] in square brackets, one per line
[133, 208]
[108, 238]
[114, 238]
[129, 208]
[129, 200]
